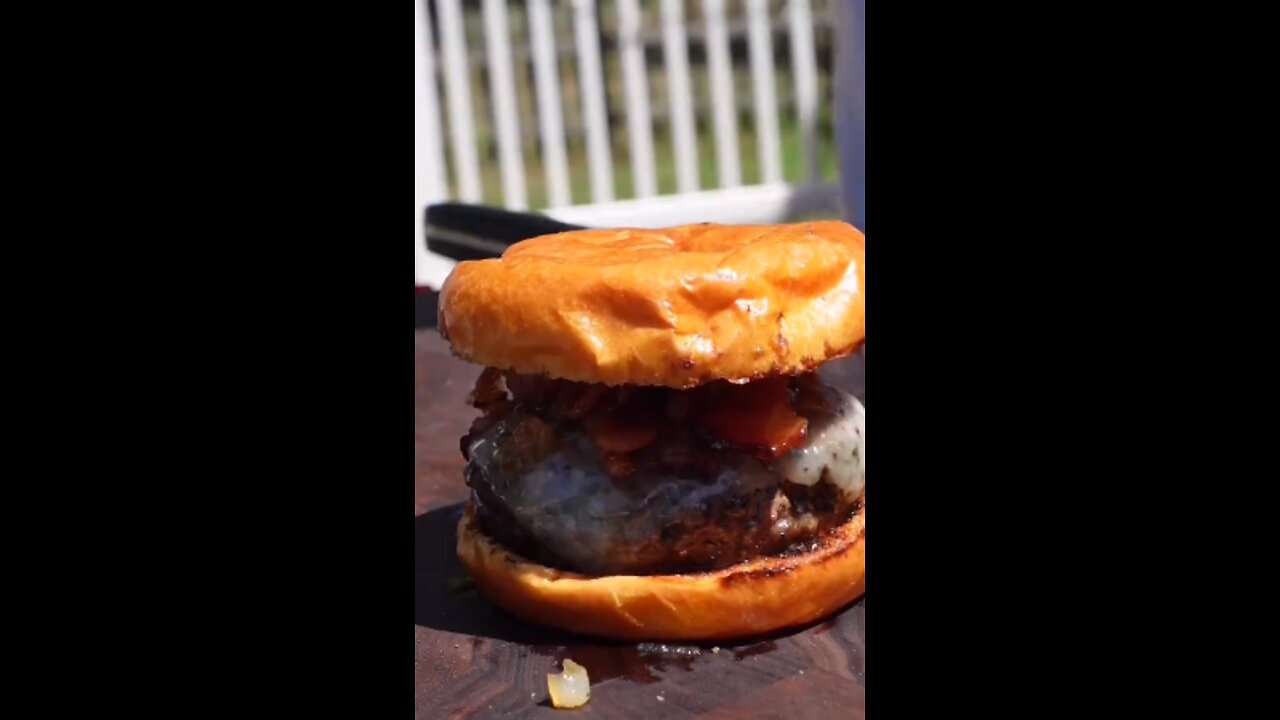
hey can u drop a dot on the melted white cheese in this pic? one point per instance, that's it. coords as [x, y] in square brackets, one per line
[836, 445]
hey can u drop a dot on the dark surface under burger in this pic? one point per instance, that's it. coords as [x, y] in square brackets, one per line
[650, 480]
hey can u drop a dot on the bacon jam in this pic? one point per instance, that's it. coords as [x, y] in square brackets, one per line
[646, 480]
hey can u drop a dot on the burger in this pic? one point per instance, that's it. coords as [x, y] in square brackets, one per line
[657, 456]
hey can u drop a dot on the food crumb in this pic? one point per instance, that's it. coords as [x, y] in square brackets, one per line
[715, 649]
[801, 672]
[661, 699]
[571, 687]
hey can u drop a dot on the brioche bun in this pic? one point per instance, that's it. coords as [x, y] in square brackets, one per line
[752, 598]
[677, 307]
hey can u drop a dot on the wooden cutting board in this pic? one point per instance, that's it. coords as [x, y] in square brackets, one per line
[473, 660]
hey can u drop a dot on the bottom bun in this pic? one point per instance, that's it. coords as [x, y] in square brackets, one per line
[751, 598]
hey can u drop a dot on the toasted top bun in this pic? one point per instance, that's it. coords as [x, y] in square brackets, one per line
[676, 307]
[753, 598]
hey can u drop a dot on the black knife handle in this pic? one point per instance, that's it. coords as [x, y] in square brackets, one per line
[504, 226]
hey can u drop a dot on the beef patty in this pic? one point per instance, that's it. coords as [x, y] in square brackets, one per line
[655, 492]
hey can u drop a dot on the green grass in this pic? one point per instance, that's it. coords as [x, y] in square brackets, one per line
[664, 158]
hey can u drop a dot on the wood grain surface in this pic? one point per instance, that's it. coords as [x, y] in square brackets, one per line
[472, 660]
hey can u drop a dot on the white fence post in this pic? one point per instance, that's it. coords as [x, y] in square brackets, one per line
[723, 109]
[804, 65]
[506, 115]
[636, 80]
[675, 52]
[457, 86]
[591, 84]
[766, 103]
[546, 80]
[429, 184]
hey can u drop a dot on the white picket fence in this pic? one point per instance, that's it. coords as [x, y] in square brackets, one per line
[772, 199]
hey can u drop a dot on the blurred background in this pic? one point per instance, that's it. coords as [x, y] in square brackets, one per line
[634, 112]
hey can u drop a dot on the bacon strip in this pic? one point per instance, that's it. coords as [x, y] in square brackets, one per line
[757, 415]
[620, 431]
[489, 389]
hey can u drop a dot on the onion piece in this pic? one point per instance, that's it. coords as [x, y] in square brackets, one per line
[571, 687]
